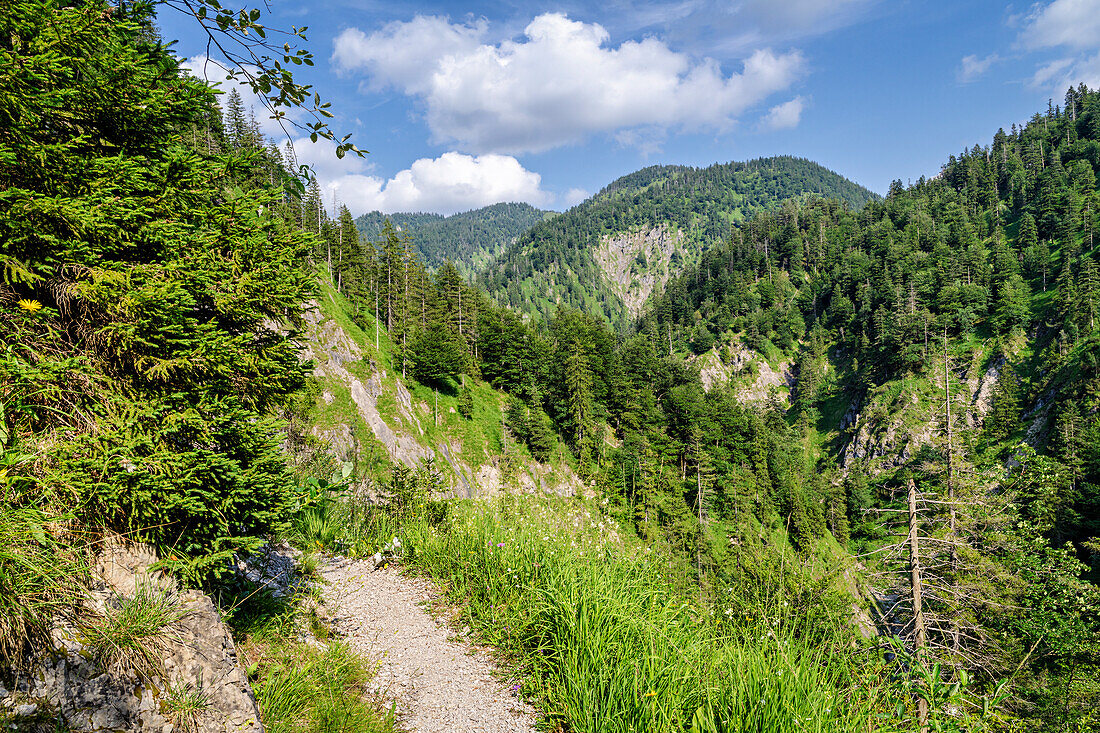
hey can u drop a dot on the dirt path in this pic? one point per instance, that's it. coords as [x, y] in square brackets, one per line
[440, 685]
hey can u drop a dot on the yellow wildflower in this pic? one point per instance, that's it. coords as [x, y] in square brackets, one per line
[30, 305]
[651, 693]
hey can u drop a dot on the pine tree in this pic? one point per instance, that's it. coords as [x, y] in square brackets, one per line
[1004, 419]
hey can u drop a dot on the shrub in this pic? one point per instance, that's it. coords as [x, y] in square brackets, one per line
[147, 355]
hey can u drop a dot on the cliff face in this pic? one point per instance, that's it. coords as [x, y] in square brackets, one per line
[638, 263]
[899, 418]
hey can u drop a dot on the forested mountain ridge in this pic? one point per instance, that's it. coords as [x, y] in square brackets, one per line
[945, 336]
[644, 227]
[470, 239]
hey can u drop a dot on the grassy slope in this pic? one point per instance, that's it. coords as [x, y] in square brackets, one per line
[473, 442]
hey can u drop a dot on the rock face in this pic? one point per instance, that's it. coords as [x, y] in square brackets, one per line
[892, 428]
[198, 655]
[753, 378]
[331, 350]
[637, 263]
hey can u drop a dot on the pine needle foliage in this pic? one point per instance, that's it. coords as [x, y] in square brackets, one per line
[165, 279]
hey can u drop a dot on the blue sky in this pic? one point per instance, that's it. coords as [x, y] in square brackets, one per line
[466, 104]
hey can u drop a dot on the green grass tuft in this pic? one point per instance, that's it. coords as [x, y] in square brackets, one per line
[39, 581]
[133, 635]
[185, 707]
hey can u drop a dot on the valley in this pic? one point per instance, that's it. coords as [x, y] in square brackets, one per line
[739, 447]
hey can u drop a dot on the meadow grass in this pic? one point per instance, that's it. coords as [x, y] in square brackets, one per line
[610, 636]
[40, 580]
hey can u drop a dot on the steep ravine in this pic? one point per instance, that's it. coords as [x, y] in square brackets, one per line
[638, 263]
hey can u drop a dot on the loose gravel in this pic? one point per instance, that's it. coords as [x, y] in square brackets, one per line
[440, 684]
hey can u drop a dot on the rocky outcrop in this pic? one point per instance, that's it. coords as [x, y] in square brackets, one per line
[331, 350]
[892, 427]
[346, 368]
[637, 263]
[197, 655]
[752, 377]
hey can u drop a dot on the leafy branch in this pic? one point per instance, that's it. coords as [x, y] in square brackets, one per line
[265, 65]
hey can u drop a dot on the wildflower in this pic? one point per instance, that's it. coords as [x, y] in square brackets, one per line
[30, 305]
[500, 544]
[651, 693]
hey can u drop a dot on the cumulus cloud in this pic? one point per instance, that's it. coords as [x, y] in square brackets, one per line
[450, 183]
[559, 84]
[784, 116]
[972, 68]
[1073, 25]
[574, 196]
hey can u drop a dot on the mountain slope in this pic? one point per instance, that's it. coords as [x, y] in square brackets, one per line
[469, 239]
[607, 254]
[982, 283]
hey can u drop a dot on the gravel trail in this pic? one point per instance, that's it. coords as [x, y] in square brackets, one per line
[440, 685]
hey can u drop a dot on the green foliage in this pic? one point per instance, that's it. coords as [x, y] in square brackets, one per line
[185, 707]
[302, 687]
[466, 403]
[306, 690]
[608, 636]
[437, 354]
[150, 370]
[1004, 419]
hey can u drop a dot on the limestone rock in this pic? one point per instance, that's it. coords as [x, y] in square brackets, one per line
[199, 654]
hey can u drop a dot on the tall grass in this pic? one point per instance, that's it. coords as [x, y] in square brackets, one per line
[40, 580]
[610, 636]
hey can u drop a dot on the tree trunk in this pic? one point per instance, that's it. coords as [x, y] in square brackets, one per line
[919, 632]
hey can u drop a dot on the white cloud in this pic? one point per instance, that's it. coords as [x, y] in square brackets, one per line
[559, 84]
[321, 157]
[450, 183]
[971, 67]
[1060, 74]
[1072, 23]
[574, 196]
[406, 55]
[723, 26]
[1068, 24]
[784, 116]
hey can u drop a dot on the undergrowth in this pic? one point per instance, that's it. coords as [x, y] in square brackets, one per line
[609, 635]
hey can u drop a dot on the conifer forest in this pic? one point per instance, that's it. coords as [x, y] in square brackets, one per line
[841, 455]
